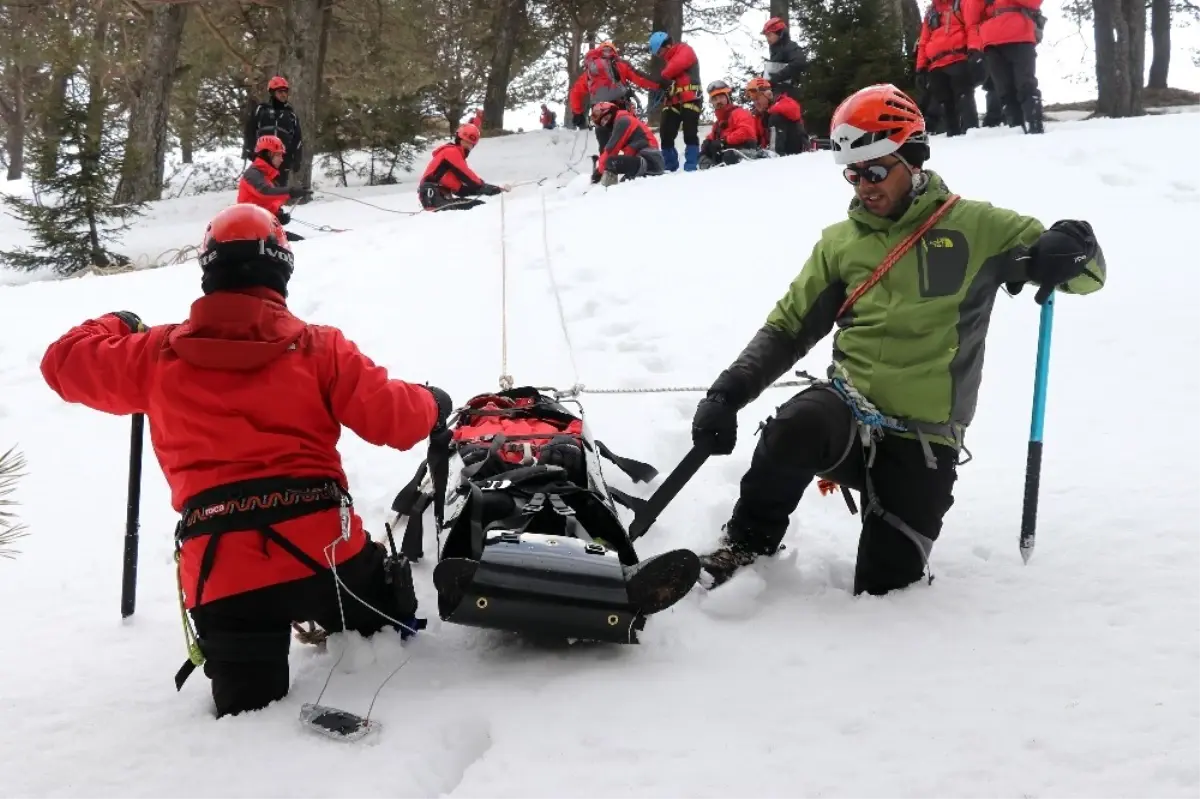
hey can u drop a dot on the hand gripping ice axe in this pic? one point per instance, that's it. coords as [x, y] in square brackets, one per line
[1033, 459]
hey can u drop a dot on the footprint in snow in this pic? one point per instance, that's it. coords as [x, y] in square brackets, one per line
[1117, 180]
[652, 363]
[616, 328]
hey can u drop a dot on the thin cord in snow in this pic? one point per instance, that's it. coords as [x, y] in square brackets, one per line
[506, 381]
[562, 316]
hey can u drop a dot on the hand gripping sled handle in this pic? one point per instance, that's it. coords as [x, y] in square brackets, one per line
[671, 486]
[133, 506]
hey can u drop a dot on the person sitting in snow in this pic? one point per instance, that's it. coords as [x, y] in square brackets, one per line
[605, 78]
[548, 119]
[246, 402]
[631, 151]
[447, 179]
[907, 357]
[779, 123]
[734, 136]
[258, 186]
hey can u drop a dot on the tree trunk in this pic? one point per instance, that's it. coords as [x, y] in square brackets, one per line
[574, 67]
[92, 147]
[146, 147]
[1120, 56]
[510, 19]
[912, 28]
[1160, 34]
[14, 122]
[779, 8]
[667, 16]
[303, 21]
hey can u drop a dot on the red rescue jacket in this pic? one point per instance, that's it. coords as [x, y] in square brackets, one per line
[257, 186]
[448, 169]
[682, 67]
[783, 106]
[734, 127]
[945, 36]
[630, 136]
[603, 80]
[1002, 21]
[243, 390]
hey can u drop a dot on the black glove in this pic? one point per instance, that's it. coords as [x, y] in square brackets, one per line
[1061, 254]
[579, 121]
[490, 190]
[711, 148]
[283, 216]
[597, 176]
[922, 81]
[976, 67]
[714, 427]
[665, 84]
[299, 192]
[445, 405]
[132, 321]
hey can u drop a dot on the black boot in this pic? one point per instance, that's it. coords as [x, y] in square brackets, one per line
[1032, 110]
[738, 547]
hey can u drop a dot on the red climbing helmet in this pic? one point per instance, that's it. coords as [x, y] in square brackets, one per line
[774, 25]
[602, 110]
[276, 83]
[269, 144]
[244, 246]
[468, 134]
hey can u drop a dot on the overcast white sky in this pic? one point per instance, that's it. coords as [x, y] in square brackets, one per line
[1065, 63]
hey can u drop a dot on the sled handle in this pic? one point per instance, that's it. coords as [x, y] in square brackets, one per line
[670, 487]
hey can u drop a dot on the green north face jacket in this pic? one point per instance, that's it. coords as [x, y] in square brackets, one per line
[914, 343]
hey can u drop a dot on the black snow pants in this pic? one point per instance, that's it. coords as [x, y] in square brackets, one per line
[953, 87]
[814, 434]
[435, 198]
[246, 636]
[648, 163]
[1013, 70]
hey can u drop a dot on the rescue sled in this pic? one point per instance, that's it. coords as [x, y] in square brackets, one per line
[530, 540]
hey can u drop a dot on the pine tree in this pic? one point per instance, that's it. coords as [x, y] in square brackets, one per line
[72, 217]
[11, 465]
[851, 44]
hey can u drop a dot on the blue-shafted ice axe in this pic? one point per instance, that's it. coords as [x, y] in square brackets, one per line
[1033, 459]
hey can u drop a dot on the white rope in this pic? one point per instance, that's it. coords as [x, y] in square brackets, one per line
[506, 381]
[579, 388]
[562, 316]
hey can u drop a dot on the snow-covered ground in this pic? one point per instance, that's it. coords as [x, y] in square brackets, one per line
[1076, 675]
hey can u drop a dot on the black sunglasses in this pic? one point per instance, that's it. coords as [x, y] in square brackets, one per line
[873, 173]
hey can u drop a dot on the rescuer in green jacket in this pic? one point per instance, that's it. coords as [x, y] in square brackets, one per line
[907, 356]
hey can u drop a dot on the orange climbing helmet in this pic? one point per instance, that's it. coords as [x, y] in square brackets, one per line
[874, 122]
[468, 134]
[757, 85]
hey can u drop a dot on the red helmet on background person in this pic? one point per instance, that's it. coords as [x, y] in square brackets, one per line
[269, 144]
[877, 121]
[276, 83]
[467, 134]
[602, 110]
[244, 246]
[774, 25]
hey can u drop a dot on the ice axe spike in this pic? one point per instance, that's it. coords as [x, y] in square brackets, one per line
[666, 492]
[1033, 462]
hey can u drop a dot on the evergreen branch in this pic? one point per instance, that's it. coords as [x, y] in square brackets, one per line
[11, 464]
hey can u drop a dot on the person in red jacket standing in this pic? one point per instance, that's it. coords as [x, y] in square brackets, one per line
[680, 81]
[447, 179]
[1009, 32]
[605, 78]
[258, 184]
[950, 64]
[246, 403]
[630, 152]
[779, 122]
[734, 136]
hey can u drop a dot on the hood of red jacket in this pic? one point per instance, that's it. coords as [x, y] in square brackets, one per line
[265, 167]
[238, 330]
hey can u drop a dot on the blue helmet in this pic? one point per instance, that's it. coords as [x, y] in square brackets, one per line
[657, 40]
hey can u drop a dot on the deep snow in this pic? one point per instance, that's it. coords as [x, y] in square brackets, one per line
[1073, 676]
